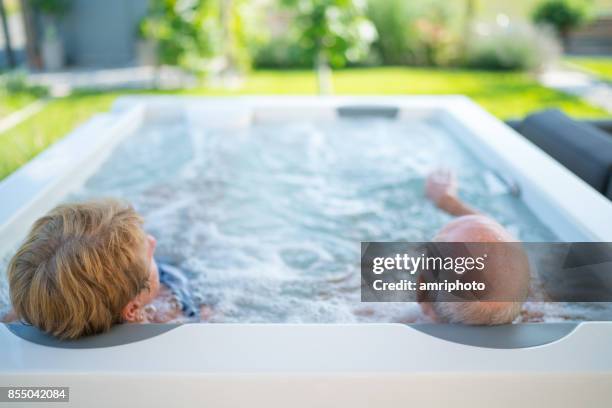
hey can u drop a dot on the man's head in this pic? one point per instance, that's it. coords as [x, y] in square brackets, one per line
[506, 274]
[82, 268]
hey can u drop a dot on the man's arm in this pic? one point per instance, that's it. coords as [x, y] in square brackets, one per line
[441, 189]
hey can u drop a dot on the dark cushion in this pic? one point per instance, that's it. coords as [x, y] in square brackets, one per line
[582, 148]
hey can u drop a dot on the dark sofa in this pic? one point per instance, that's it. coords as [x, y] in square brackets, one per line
[582, 147]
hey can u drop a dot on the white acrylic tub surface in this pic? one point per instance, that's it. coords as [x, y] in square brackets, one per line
[314, 365]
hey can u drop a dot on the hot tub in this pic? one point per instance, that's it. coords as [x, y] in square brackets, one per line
[310, 354]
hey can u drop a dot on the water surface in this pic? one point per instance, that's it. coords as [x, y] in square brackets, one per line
[268, 220]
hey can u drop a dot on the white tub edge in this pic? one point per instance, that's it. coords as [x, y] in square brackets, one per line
[40, 184]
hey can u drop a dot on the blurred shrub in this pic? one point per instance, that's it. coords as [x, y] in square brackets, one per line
[397, 41]
[390, 32]
[189, 33]
[335, 31]
[51, 7]
[178, 29]
[281, 52]
[417, 32]
[16, 82]
[563, 15]
[251, 31]
[519, 47]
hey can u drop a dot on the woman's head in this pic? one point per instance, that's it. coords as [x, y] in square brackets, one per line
[82, 268]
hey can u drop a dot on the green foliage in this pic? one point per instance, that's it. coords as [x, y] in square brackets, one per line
[238, 20]
[563, 15]
[51, 7]
[336, 30]
[502, 53]
[513, 48]
[190, 32]
[182, 30]
[12, 83]
[397, 41]
[16, 93]
[415, 32]
[418, 32]
[281, 52]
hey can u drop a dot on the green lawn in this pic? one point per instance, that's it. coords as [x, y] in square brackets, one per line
[16, 93]
[522, 9]
[507, 95]
[598, 66]
[21, 143]
[10, 103]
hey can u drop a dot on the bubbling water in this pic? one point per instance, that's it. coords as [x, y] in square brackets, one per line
[267, 221]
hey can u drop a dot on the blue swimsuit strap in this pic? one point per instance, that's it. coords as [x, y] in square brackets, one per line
[177, 282]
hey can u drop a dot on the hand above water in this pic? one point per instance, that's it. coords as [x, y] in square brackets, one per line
[440, 186]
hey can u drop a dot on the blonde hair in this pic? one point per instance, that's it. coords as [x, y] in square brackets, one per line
[78, 268]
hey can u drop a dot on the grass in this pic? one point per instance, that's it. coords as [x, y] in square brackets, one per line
[522, 9]
[506, 95]
[10, 103]
[16, 93]
[19, 144]
[598, 66]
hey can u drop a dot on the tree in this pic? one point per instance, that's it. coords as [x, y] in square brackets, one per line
[180, 29]
[189, 33]
[333, 32]
[233, 36]
[563, 15]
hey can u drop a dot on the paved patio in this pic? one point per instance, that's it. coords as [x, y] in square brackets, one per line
[138, 77]
[587, 87]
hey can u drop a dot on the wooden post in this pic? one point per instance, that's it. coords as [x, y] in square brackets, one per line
[10, 57]
[29, 24]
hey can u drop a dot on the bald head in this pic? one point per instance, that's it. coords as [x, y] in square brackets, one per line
[473, 228]
[506, 273]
